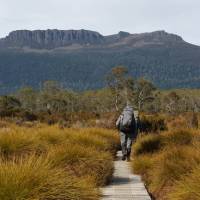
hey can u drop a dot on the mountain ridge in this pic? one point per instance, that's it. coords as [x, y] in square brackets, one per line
[54, 38]
[82, 61]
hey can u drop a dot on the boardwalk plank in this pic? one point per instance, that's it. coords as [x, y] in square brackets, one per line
[124, 185]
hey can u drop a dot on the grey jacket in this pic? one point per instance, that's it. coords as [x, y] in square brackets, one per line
[127, 109]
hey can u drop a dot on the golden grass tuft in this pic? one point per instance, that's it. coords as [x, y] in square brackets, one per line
[34, 178]
[83, 161]
[148, 144]
[16, 143]
[167, 161]
[46, 162]
[188, 187]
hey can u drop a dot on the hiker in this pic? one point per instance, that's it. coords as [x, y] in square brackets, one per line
[127, 125]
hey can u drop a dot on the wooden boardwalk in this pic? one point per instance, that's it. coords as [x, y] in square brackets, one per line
[124, 185]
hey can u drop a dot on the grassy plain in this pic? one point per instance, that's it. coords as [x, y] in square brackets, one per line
[49, 163]
[169, 162]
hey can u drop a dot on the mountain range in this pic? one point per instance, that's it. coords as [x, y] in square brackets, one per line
[80, 59]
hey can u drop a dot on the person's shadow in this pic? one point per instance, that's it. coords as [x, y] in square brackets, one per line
[119, 180]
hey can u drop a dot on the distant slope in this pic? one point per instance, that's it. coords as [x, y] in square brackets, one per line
[80, 59]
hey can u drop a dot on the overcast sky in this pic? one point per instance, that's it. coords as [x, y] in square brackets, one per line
[181, 17]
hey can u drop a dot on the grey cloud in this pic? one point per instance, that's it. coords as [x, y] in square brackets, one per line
[106, 16]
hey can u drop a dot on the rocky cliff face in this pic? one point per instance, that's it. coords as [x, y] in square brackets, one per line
[50, 39]
[161, 36]
[161, 57]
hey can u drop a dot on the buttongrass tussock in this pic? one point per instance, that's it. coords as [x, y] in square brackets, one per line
[47, 162]
[35, 178]
[166, 162]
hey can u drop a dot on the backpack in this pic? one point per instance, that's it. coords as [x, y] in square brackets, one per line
[127, 121]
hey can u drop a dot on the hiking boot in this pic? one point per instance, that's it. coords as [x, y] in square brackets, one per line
[128, 158]
[124, 157]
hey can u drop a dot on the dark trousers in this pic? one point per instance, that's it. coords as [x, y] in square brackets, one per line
[126, 142]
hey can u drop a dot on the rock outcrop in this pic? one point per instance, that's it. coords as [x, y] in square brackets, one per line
[81, 60]
[49, 39]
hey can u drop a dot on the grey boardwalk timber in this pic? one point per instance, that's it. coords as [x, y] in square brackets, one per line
[124, 185]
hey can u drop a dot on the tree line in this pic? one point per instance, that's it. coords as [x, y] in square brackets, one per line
[121, 89]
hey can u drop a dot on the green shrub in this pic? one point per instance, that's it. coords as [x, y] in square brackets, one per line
[27, 116]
